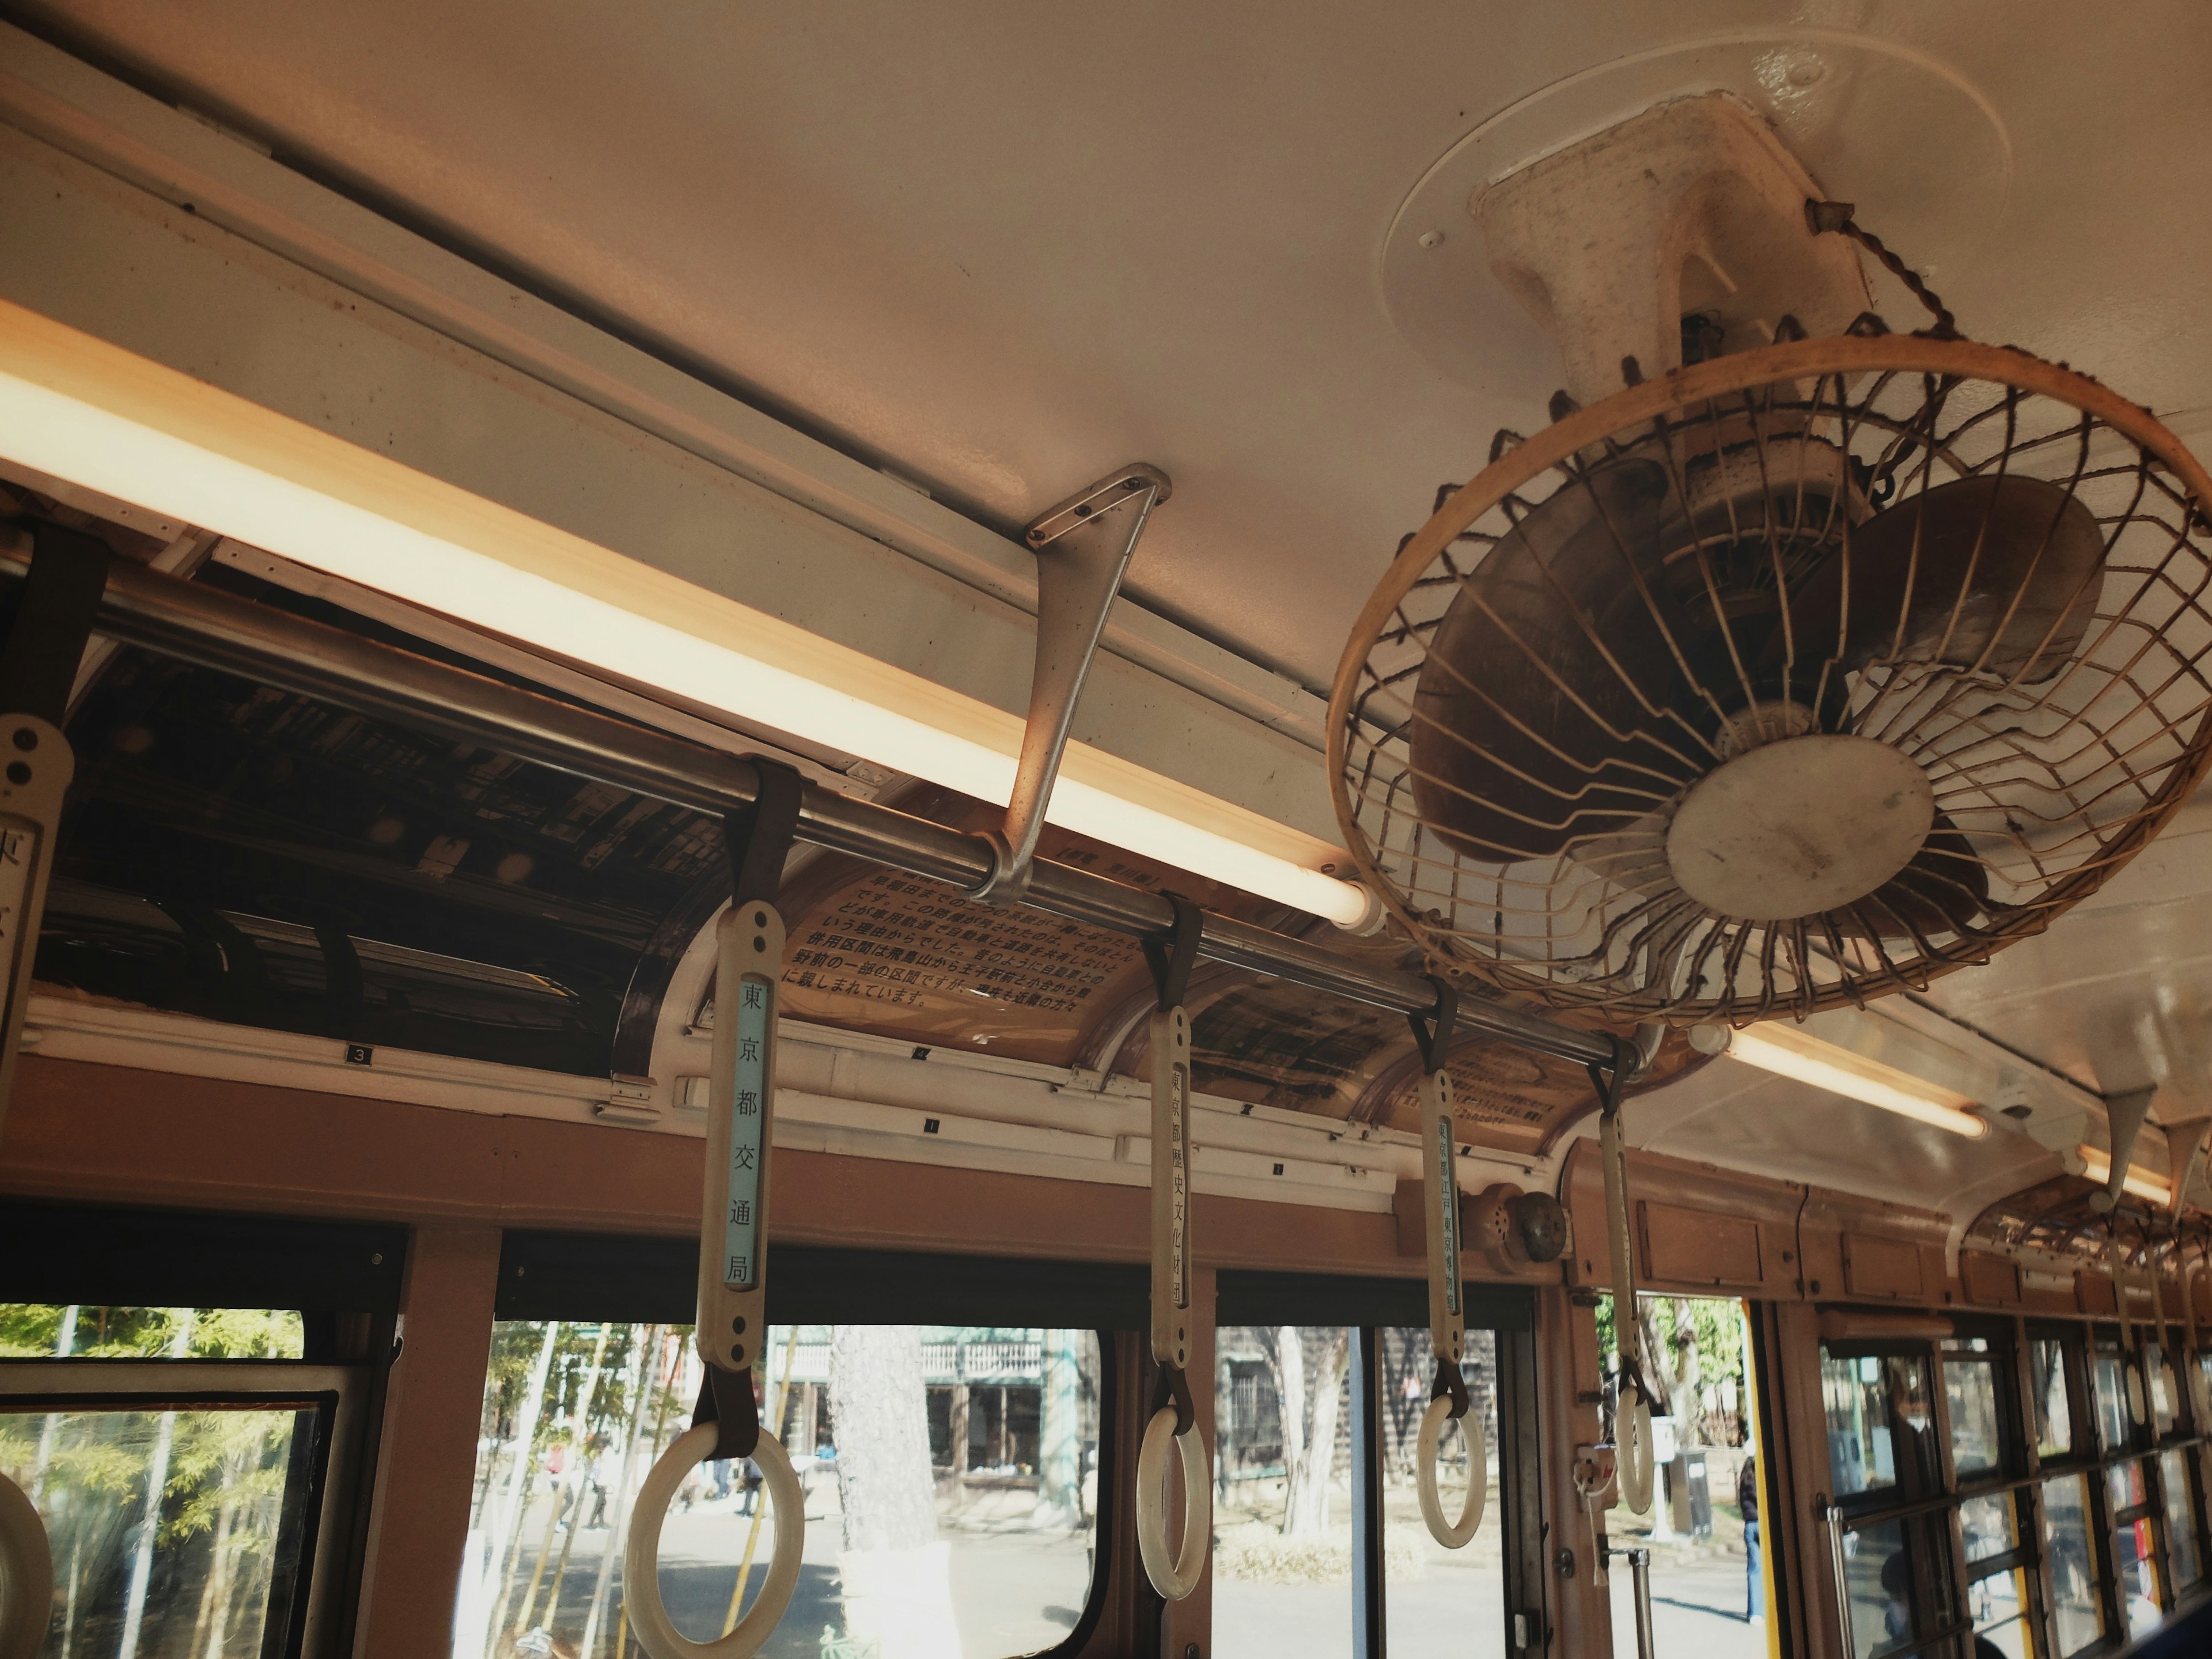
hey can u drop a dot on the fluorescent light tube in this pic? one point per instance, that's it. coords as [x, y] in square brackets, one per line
[1782, 1047]
[80, 408]
[2097, 1167]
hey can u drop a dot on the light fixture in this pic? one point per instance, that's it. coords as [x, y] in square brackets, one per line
[2097, 1166]
[1788, 1050]
[81, 410]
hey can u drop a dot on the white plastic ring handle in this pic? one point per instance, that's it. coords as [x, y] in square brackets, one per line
[1452, 1535]
[1632, 1457]
[1174, 1573]
[641, 1559]
[27, 1575]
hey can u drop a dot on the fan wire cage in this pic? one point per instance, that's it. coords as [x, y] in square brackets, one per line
[1974, 575]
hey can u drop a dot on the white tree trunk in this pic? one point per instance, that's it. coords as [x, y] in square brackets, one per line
[150, 1525]
[897, 1584]
[1307, 1502]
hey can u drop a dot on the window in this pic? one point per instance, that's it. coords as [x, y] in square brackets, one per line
[182, 1398]
[2048, 1377]
[2179, 1492]
[2077, 1612]
[951, 1476]
[951, 1470]
[179, 1466]
[1283, 1510]
[1319, 1547]
[1439, 1601]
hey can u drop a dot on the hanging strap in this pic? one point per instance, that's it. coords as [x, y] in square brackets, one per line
[1433, 1035]
[1170, 960]
[733, 1216]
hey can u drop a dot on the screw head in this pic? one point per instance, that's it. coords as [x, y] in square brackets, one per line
[18, 774]
[25, 738]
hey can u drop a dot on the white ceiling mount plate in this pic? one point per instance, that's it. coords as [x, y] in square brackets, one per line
[1920, 150]
[1800, 827]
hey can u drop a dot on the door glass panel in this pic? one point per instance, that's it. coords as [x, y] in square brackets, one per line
[2180, 1517]
[1438, 1601]
[2054, 1424]
[1970, 1388]
[172, 1532]
[1282, 1520]
[1881, 1426]
[2132, 1553]
[950, 1476]
[2073, 1562]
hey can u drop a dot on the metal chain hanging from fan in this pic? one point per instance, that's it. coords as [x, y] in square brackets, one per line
[1786, 680]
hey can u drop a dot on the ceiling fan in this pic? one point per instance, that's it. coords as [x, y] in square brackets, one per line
[1798, 661]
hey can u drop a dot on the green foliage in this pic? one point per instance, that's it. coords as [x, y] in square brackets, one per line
[32, 1330]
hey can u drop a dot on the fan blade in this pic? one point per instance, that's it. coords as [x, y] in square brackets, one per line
[1532, 723]
[1944, 890]
[1999, 573]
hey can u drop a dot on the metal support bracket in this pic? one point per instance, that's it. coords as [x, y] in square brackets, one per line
[2185, 1147]
[46, 636]
[733, 1214]
[2123, 1120]
[1083, 548]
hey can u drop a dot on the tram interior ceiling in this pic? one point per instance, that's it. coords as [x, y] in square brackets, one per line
[775, 879]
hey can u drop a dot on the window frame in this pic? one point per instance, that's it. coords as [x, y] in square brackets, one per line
[315, 1600]
[634, 1279]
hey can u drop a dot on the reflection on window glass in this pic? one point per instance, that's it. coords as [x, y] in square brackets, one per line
[172, 1532]
[35, 1330]
[1999, 1611]
[2180, 1517]
[2125, 1485]
[2115, 1419]
[2054, 1417]
[2164, 1408]
[1878, 1577]
[1438, 1602]
[2073, 1562]
[1970, 1389]
[2132, 1554]
[1988, 1526]
[1881, 1429]
[1282, 1522]
[950, 1472]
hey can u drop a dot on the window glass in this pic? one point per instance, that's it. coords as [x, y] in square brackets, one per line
[2125, 1485]
[1970, 1389]
[1895, 1579]
[2073, 1562]
[2164, 1406]
[2054, 1417]
[1999, 1611]
[174, 1532]
[1988, 1526]
[2115, 1419]
[1282, 1522]
[2133, 1553]
[35, 1330]
[2180, 1517]
[1881, 1429]
[1438, 1601]
[950, 1476]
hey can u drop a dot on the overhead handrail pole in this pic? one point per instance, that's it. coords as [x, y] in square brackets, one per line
[732, 1319]
[1173, 1569]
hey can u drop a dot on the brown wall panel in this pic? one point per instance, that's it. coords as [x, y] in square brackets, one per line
[1879, 1266]
[1700, 1248]
[1989, 1281]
